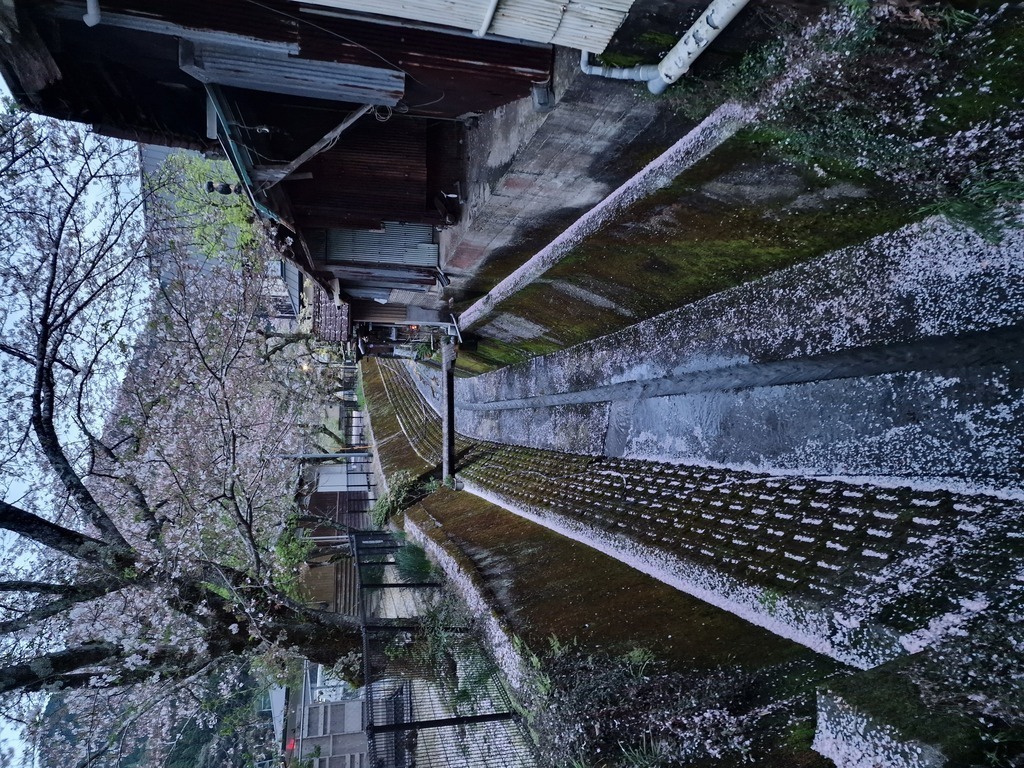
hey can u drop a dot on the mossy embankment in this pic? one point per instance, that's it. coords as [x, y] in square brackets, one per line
[392, 449]
[821, 542]
[740, 214]
[547, 585]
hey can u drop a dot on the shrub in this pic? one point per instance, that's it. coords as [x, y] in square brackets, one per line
[413, 564]
[399, 495]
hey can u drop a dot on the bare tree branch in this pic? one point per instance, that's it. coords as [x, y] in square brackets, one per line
[70, 542]
[73, 595]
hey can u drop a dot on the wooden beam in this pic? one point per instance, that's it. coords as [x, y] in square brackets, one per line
[278, 174]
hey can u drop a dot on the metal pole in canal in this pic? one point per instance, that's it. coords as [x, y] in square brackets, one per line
[448, 411]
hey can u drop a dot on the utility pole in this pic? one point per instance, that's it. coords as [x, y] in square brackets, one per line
[448, 352]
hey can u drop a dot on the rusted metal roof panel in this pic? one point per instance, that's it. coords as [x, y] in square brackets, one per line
[583, 24]
[399, 243]
[368, 311]
[377, 170]
[258, 21]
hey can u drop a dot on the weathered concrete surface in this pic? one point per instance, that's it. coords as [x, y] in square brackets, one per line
[530, 173]
[692, 147]
[864, 574]
[851, 739]
[900, 358]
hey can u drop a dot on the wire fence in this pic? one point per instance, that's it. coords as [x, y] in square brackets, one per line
[434, 698]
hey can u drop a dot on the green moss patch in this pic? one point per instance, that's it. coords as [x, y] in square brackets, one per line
[493, 353]
[682, 245]
[393, 448]
[548, 585]
[887, 695]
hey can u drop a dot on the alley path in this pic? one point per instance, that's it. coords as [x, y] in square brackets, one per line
[831, 452]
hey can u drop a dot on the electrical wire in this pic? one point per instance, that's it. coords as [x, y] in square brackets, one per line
[349, 40]
[257, 128]
[326, 148]
[261, 156]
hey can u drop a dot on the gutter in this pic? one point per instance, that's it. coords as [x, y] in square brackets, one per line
[677, 61]
[92, 13]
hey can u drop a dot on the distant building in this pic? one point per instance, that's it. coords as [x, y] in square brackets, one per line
[324, 723]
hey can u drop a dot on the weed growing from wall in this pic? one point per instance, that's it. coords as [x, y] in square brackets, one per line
[402, 491]
[413, 564]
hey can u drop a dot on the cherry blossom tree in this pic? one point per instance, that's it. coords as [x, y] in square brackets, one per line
[145, 497]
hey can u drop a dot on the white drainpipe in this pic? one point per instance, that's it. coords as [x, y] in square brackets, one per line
[92, 13]
[639, 72]
[677, 61]
[707, 28]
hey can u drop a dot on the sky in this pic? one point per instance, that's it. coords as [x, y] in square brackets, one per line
[10, 737]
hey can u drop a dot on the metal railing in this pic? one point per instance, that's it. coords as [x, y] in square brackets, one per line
[433, 697]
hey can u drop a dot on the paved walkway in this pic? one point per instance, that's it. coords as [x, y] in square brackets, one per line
[832, 452]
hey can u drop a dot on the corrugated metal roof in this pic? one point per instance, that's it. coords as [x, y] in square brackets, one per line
[257, 21]
[367, 293]
[154, 156]
[382, 277]
[396, 257]
[369, 311]
[582, 24]
[258, 69]
[462, 14]
[449, 74]
[399, 243]
[377, 171]
[586, 26]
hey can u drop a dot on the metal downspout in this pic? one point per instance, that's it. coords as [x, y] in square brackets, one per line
[677, 61]
[92, 13]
